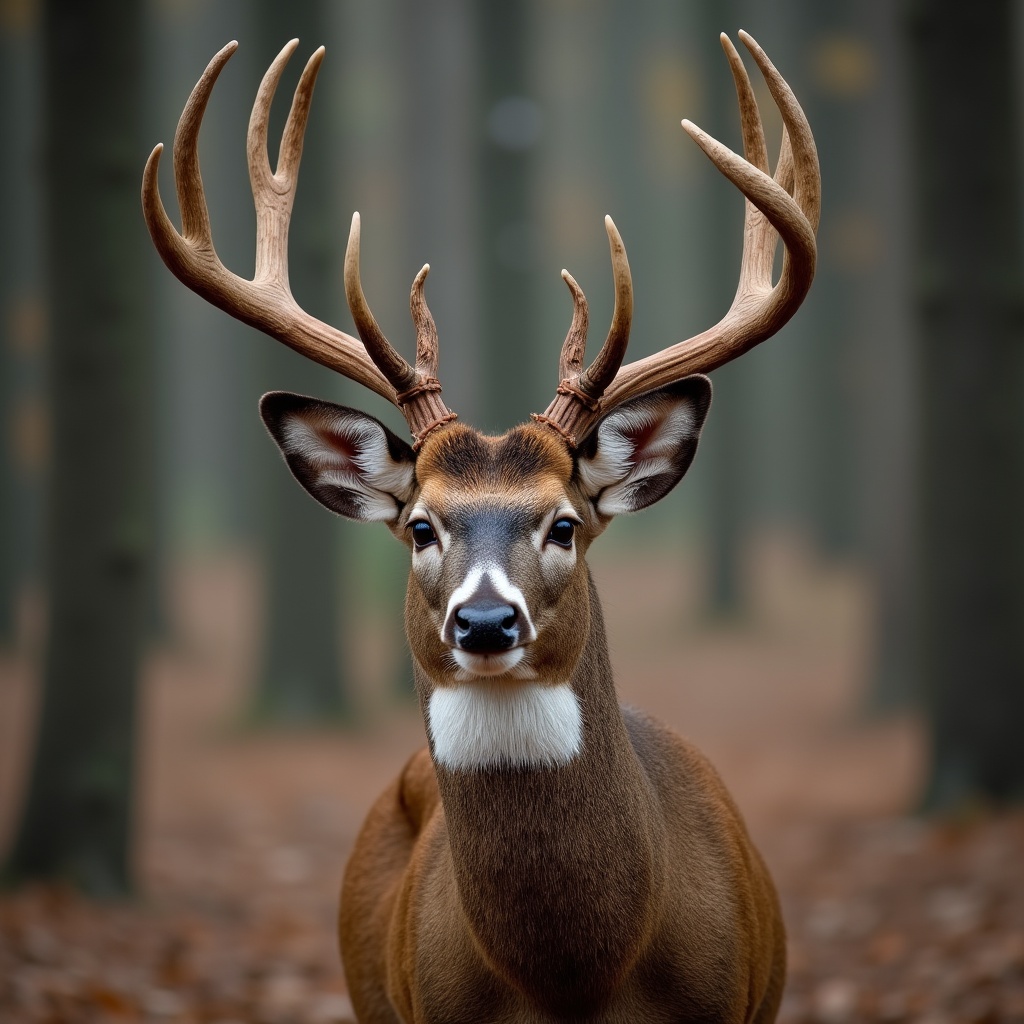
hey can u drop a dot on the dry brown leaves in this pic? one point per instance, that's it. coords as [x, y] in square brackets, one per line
[892, 920]
[898, 920]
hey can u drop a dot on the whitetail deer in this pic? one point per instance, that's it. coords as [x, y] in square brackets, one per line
[551, 856]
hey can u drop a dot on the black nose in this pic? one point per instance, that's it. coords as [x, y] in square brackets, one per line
[486, 627]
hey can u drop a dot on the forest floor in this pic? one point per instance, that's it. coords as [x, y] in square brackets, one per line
[242, 836]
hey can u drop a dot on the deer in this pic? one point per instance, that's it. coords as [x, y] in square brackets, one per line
[550, 855]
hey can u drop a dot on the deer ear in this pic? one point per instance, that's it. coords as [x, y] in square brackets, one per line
[348, 461]
[640, 451]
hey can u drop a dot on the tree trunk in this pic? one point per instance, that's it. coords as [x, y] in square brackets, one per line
[23, 416]
[888, 401]
[77, 819]
[970, 308]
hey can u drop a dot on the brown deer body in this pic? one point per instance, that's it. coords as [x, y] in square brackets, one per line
[526, 892]
[551, 856]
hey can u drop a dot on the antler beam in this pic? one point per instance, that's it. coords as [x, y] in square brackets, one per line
[786, 205]
[266, 302]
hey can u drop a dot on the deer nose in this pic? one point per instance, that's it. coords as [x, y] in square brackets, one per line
[486, 627]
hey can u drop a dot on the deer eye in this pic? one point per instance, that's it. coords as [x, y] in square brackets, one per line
[423, 534]
[561, 532]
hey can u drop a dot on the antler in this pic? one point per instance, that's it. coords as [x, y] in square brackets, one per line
[785, 206]
[266, 302]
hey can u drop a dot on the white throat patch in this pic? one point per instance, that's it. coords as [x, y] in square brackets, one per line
[505, 725]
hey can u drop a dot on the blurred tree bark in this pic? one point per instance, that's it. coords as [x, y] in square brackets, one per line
[970, 308]
[302, 675]
[77, 817]
[23, 422]
[14, 33]
[879, 237]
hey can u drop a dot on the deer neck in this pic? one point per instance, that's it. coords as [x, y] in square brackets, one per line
[547, 859]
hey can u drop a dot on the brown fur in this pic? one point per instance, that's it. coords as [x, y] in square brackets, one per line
[619, 887]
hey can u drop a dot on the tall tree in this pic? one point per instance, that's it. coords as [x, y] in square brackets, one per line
[301, 677]
[76, 819]
[23, 418]
[887, 413]
[970, 295]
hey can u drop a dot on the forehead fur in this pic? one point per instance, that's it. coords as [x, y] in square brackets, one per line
[519, 459]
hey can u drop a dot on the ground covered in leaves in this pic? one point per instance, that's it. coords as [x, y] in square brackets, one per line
[242, 837]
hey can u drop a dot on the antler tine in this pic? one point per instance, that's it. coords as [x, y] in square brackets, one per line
[294, 133]
[575, 345]
[195, 217]
[594, 380]
[585, 388]
[784, 172]
[807, 174]
[755, 149]
[427, 353]
[758, 233]
[180, 251]
[260, 174]
[390, 363]
[759, 309]
[173, 249]
[274, 193]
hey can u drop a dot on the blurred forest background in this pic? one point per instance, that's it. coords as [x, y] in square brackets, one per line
[183, 633]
